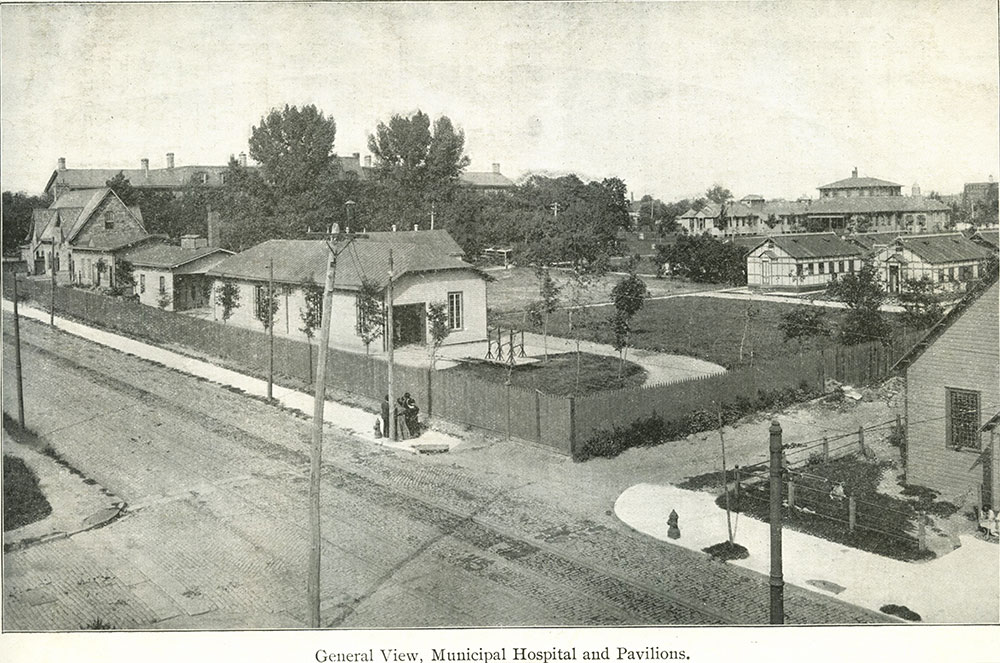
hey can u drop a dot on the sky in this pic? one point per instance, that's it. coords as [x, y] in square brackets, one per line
[767, 98]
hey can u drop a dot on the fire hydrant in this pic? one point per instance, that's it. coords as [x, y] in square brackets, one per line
[673, 531]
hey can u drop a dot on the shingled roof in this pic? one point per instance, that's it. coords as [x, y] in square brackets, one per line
[304, 261]
[165, 178]
[170, 256]
[814, 245]
[485, 179]
[943, 248]
[858, 183]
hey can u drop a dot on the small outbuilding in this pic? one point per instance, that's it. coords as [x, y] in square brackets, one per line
[950, 260]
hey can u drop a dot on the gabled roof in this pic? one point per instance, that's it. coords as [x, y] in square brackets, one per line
[752, 196]
[784, 207]
[858, 183]
[111, 246]
[485, 179]
[690, 214]
[977, 290]
[813, 245]
[169, 256]
[747, 242]
[990, 236]
[873, 204]
[739, 210]
[943, 248]
[868, 241]
[304, 261]
[170, 178]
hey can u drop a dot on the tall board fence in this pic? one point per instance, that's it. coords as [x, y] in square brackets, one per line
[457, 397]
[558, 422]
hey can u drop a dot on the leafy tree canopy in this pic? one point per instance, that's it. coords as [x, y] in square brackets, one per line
[294, 147]
[17, 213]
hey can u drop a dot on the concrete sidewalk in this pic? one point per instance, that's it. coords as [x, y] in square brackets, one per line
[356, 420]
[960, 587]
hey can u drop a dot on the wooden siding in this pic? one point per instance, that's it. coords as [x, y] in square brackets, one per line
[965, 356]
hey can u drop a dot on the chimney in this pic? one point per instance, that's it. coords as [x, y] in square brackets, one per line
[170, 159]
[356, 156]
[62, 163]
[193, 242]
[213, 229]
[496, 168]
[416, 227]
[243, 159]
[916, 190]
[854, 173]
[368, 161]
[144, 164]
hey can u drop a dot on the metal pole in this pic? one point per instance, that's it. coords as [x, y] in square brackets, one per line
[725, 481]
[316, 453]
[17, 359]
[270, 329]
[52, 299]
[776, 581]
[390, 342]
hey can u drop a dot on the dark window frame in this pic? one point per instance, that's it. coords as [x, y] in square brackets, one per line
[968, 430]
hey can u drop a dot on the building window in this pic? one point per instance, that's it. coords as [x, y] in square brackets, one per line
[965, 273]
[109, 222]
[798, 269]
[454, 310]
[832, 267]
[163, 284]
[259, 301]
[940, 276]
[840, 267]
[142, 283]
[822, 267]
[951, 274]
[962, 416]
[810, 269]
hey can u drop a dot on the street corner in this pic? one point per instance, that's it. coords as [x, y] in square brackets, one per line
[685, 518]
[77, 503]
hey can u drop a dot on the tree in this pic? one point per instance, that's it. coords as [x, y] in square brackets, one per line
[864, 295]
[124, 276]
[718, 194]
[705, 259]
[123, 189]
[629, 296]
[437, 321]
[312, 314]
[803, 323]
[414, 166]
[548, 303]
[371, 313]
[17, 218]
[294, 147]
[579, 311]
[266, 306]
[227, 295]
[920, 302]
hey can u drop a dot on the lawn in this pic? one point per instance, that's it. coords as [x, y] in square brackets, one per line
[707, 328]
[558, 376]
[23, 501]
[885, 524]
[514, 289]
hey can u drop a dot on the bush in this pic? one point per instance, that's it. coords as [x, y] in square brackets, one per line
[655, 430]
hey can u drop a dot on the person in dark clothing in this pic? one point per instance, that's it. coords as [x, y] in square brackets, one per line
[412, 413]
[385, 416]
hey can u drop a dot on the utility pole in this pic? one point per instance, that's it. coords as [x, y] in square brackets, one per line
[316, 452]
[555, 210]
[432, 215]
[776, 582]
[52, 294]
[725, 481]
[17, 359]
[270, 329]
[390, 342]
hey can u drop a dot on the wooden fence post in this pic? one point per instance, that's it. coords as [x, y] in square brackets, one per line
[861, 439]
[852, 510]
[791, 496]
[538, 416]
[921, 534]
[430, 391]
[737, 471]
[826, 449]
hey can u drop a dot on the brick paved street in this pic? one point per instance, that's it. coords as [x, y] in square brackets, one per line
[214, 531]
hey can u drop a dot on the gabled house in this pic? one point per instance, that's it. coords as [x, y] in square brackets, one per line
[952, 393]
[173, 277]
[949, 260]
[80, 233]
[801, 261]
[988, 238]
[425, 271]
[171, 178]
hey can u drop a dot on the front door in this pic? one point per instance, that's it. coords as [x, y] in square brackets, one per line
[893, 278]
[410, 322]
[765, 272]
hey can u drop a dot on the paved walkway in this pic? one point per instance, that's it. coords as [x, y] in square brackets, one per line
[867, 580]
[77, 505]
[355, 420]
